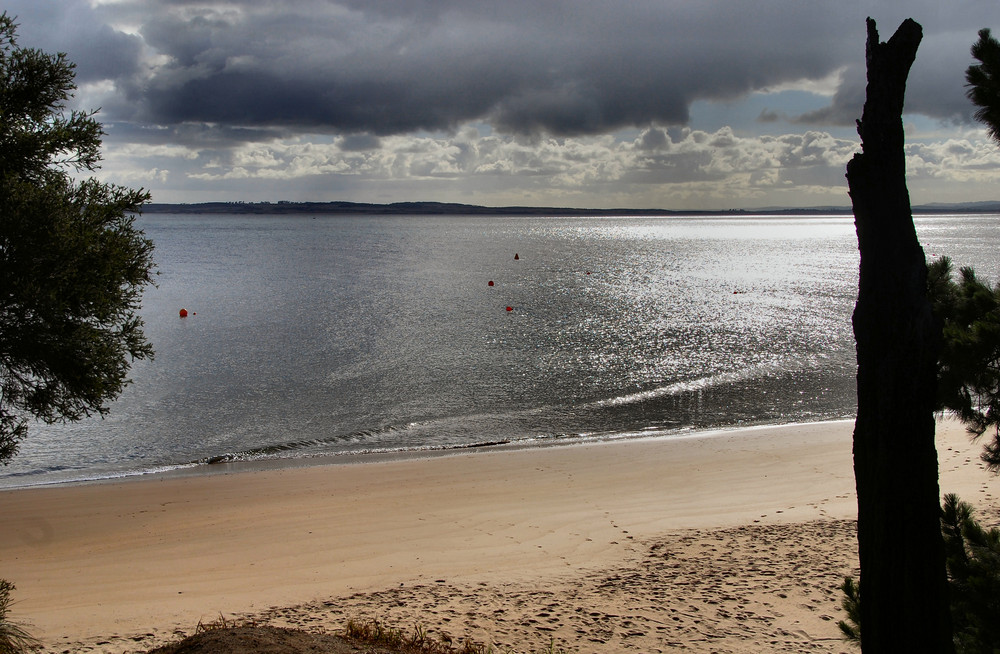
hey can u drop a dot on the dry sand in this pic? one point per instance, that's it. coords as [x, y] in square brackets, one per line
[725, 542]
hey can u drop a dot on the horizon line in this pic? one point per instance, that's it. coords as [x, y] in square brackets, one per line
[455, 208]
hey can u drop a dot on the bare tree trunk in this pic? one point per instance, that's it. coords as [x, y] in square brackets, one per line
[904, 604]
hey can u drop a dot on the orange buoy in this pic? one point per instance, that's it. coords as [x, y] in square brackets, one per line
[184, 313]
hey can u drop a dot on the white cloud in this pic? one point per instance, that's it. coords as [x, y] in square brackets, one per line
[955, 160]
[596, 171]
[825, 86]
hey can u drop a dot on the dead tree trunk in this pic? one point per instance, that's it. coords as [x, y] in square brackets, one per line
[904, 605]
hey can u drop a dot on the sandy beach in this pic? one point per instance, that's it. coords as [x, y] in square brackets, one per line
[730, 541]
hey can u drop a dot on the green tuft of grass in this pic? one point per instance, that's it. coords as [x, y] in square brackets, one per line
[221, 623]
[376, 633]
[14, 638]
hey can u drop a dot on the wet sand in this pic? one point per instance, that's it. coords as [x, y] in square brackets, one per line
[729, 542]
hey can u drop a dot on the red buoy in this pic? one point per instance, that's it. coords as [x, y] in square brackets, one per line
[491, 282]
[510, 308]
[516, 257]
[184, 313]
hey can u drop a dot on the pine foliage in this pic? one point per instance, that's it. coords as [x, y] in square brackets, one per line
[851, 627]
[969, 363]
[984, 82]
[72, 262]
[974, 575]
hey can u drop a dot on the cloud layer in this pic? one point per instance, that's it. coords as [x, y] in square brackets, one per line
[333, 89]
[562, 67]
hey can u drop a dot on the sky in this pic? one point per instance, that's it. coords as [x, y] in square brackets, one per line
[666, 104]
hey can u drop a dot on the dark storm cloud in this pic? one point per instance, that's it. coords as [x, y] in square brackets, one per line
[359, 143]
[194, 135]
[99, 51]
[846, 105]
[385, 67]
[935, 87]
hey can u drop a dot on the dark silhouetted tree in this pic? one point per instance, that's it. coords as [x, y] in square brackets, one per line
[72, 263]
[968, 385]
[903, 590]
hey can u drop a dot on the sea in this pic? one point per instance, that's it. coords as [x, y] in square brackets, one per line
[316, 338]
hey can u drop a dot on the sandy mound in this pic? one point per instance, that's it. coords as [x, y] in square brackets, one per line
[260, 640]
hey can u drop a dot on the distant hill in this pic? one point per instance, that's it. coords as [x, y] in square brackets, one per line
[451, 208]
[396, 208]
[991, 206]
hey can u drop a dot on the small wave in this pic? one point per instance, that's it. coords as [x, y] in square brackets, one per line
[35, 472]
[698, 384]
[275, 450]
[320, 447]
[457, 432]
[82, 476]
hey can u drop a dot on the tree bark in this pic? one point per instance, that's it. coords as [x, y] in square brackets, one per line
[904, 603]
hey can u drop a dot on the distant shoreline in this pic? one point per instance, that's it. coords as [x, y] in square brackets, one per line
[455, 209]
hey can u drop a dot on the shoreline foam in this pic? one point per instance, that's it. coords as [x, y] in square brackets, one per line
[233, 463]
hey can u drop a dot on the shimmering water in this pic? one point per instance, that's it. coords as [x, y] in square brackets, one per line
[331, 334]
